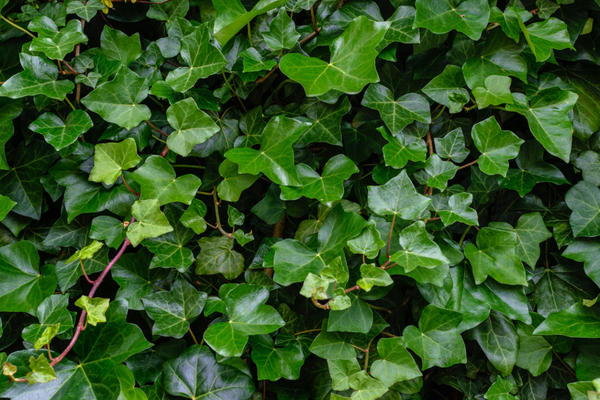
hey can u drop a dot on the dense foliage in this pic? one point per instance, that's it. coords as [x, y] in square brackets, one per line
[300, 199]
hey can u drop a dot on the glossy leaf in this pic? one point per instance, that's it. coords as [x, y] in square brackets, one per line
[110, 159]
[59, 133]
[468, 16]
[192, 126]
[149, 221]
[497, 146]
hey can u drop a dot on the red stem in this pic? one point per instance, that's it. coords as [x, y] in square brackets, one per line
[97, 282]
[468, 164]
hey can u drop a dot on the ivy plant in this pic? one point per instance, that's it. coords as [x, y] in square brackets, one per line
[299, 199]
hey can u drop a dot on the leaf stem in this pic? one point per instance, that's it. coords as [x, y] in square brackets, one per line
[307, 331]
[233, 91]
[192, 335]
[87, 278]
[468, 164]
[129, 187]
[389, 240]
[217, 217]
[70, 104]
[155, 128]
[8, 21]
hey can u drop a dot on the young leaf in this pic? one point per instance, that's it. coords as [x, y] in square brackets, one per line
[192, 126]
[95, 307]
[149, 221]
[110, 159]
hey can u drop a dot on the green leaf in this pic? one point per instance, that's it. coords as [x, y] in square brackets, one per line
[439, 172]
[110, 159]
[352, 62]
[327, 187]
[41, 371]
[121, 107]
[577, 321]
[396, 113]
[84, 9]
[192, 126]
[585, 252]
[584, 201]
[332, 346]
[498, 339]
[395, 363]
[282, 32]
[441, 16]
[248, 315]
[37, 78]
[368, 242]
[547, 115]
[500, 390]
[276, 156]
[116, 45]
[451, 146]
[401, 28]
[531, 231]
[365, 387]
[62, 134]
[418, 249]
[168, 11]
[203, 60]
[398, 197]
[173, 311]
[51, 41]
[6, 204]
[108, 229]
[535, 353]
[545, 36]
[23, 285]
[233, 183]
[8, 112]
[497, 146]
[86, 252]
[158, 181]
[232, 16]
[340, 371]
[373, 276]
[496, 91]
[149, 221]
[196, 374]
[95, 308]
[326, 122]
[274, 362]
[402, 148]
[46, 337]
[496, 255]
[448, 89]
[254, 62]
[193, 217]
[51, 313]
[589, 164]
[218, 257]
[436, 340]
[356, 318]
[458, 210]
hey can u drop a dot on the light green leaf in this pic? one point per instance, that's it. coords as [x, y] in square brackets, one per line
[157, 180]
[458, 210]
[247, 315]
[95, 308]
[6, 204]
[118, 101]
[276, 360]
[418, 249]
[357, 318]
[448, 89]
[23, 286]
[116, 45]
[368, 242]
[86, 252]
[497, 146]
[547, 115]
[327, 187]
[53, 42]
[218, 257]
[282, 32]
[47, 335]
[192, 126]
[84, 9]
[173, 311]
[531, 231]
[62, 134]
[496, 255]
[577, 321]
[37, 78]
[500, 390]
[340, 371]
[365, 387]
[232, 16]
[584, 201]
[396, 113]
[203, 60]
[149, 221]
[41, 371]
[545, 36]
[332, 346]
[441, 16]
[193, 216]
[451, 146]
[436, 340]
[276, 156]
[395, 363]
[111, 159]
[398, 197]
[351, 65]
[439, 171]
[401, 148]
[496, 91]
[233, 183]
